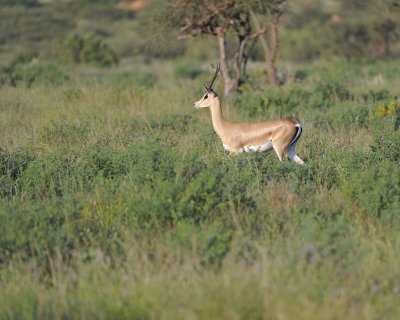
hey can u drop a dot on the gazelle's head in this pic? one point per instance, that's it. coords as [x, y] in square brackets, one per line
[209, 97]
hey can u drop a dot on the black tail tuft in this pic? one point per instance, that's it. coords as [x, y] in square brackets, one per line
[298, 134]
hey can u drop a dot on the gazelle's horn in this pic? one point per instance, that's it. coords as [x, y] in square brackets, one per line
[209, 86]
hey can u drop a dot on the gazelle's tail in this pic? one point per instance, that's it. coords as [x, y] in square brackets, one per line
[298, 134]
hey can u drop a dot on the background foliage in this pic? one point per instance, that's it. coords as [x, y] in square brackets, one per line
[118, 201]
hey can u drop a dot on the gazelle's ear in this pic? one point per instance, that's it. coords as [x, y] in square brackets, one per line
[214, 93]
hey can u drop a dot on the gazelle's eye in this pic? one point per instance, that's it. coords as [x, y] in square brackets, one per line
[206, 97]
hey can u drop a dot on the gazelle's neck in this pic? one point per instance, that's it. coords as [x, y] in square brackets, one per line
[217, 117]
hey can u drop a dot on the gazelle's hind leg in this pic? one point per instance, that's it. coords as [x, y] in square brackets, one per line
[279, 151]
[291, 154]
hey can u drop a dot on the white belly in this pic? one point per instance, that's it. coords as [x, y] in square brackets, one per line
[254, 148]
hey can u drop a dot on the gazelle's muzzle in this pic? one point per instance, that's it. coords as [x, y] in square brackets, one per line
[196, 105]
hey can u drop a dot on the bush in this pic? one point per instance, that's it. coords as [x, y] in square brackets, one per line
[23, 58]
[386, 142]
[88, 51]
[388, 109]
[27, 3]
[44, 223]
[254, 103]
[366, 38]
[96, 52]
[12, 165]
[211, 242]
[327, 93]
[376, 95]
[28, 74]
[376, 190]
[346, 115]
[353, 36]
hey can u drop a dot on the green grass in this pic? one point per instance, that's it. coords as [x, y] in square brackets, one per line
[118, 201]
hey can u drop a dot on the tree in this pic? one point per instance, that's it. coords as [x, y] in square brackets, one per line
[270, 49]
[227, 20]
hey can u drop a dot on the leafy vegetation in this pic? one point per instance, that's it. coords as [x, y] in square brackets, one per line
[117, 199]
[29, 74]
[90, 50]
[134, 209]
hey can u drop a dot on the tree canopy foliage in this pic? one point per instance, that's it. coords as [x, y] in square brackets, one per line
[228, 20]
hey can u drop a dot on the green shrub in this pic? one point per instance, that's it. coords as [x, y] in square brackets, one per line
[388, 109]
[89, 50]
[254, 103]
[28, 74]
[386, 142]
[72, 48]
[301, 74]
[371, 38]
[45, 223]
[354, 36]
[12, 165]
[39, 73]
[201, 197]
[327, 93]
[218, 245]
[96, 52]
[376, 95]
[59, 173]
[376, 190]
[23, 58]
[330, 242]
[210, 242]
[346, 115]
[27, 3]
[334, 90]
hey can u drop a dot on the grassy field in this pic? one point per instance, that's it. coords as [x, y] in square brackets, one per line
[118, 201]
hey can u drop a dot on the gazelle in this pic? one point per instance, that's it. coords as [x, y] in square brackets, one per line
[281, 135]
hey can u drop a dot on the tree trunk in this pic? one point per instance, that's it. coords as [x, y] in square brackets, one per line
[383, 49]
[273, 53]
[230, 84]
[271, 50]
[240, 59]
